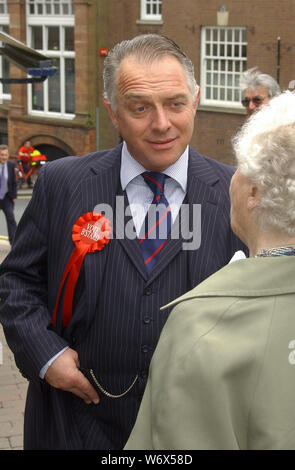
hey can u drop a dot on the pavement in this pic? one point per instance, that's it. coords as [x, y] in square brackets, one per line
[13, 386]
[24, 191]
[13, 389]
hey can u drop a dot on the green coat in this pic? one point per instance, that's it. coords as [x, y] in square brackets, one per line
[223, 374]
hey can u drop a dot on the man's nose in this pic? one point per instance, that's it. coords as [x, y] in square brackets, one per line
[161, 121]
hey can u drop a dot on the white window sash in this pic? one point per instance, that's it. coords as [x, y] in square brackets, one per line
[145, 16]
[45, 22]
[50, 20]
[219, 74]
[51, 3]
[5, 13]
[4, 21]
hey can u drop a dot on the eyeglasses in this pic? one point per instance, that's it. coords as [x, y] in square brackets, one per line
[257, 100]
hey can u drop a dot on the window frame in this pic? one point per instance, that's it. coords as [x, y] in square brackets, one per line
[217, 72]
[144, 16]
[45, 21]
[4, 3]
[43, 4]
[4, 21]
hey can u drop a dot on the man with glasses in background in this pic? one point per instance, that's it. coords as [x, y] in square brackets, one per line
[257, 89]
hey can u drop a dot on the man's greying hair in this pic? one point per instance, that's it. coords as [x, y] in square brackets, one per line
[253, 78]
[145, 48]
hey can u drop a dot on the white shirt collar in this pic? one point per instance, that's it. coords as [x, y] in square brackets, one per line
[131, 168]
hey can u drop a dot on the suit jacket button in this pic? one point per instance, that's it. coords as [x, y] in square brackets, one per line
[148, 291]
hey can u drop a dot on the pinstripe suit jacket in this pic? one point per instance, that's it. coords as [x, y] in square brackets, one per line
[31, 274]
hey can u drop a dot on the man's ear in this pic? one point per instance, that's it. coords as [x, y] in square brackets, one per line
[196, 103]
[111, 113]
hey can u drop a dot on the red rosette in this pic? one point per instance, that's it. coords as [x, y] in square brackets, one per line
[90, 233]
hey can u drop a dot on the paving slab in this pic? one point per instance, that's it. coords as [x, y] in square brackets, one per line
[13, 387]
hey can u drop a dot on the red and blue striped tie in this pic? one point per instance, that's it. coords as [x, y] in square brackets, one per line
[157, 223]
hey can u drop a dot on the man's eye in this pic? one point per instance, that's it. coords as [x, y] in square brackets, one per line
[176, 104]
[140, 109]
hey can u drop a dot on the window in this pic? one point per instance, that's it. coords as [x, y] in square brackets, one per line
[3, 7]
[151, 10]
[53, 35]
[50, 7]
[223, 60]
[3, 132]
[4, 64]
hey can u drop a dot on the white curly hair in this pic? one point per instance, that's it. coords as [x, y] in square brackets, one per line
[265, 152]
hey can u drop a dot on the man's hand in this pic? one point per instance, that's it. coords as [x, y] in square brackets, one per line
[65, 375]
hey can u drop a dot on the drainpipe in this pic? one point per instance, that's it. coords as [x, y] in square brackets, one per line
[278, 59]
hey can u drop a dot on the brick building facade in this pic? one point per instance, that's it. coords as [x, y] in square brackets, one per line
[220, 53]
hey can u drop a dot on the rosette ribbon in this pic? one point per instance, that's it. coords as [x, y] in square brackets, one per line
[90, 233]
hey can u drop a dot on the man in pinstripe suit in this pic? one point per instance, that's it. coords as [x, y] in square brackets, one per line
[87, 377]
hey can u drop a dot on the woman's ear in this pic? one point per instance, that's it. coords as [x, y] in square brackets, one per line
[254, 196]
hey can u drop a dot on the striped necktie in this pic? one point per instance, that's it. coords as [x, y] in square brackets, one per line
[157, 223]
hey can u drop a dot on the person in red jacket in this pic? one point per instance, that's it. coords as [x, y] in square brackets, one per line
[24, 157]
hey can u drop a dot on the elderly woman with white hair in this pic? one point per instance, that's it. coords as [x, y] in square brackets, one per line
[223, 374]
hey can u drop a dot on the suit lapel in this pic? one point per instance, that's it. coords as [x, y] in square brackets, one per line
[202, 193]
[98, 194]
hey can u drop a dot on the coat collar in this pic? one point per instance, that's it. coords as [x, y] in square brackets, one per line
[249, 277]
[105, 160]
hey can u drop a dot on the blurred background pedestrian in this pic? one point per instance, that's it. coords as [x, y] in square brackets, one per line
[24, 158]
[8, 191]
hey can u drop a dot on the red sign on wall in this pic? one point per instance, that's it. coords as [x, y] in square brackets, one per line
[103, 51]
